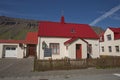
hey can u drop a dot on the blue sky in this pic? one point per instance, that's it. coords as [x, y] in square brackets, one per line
[102, 13]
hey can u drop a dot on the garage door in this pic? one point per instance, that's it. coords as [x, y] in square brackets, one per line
[10, 51]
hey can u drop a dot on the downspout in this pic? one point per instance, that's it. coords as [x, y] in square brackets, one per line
[99, 47]
[39, 47]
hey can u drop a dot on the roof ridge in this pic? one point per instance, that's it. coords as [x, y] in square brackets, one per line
[64, 23]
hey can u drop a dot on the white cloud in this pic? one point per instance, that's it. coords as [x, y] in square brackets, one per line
[115, 16]
[105, 15]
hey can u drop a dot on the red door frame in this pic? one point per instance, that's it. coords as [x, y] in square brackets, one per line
[78, 51]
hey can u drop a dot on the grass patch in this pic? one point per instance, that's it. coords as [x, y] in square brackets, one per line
[21, 35]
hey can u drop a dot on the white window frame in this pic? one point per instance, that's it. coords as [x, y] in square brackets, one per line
[110, 48]
[55, 48]
[117, 48]
[109, 37]
[103, 50]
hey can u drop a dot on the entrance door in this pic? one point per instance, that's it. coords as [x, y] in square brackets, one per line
[31, 50]
[78, 51]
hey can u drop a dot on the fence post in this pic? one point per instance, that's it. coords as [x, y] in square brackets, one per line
[51, 63]
[87, 62]
[34, 66]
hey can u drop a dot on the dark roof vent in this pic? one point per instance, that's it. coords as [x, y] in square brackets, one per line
[72, 30]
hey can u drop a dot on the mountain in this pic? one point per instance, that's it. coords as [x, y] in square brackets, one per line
[98, 30]
[16, 28]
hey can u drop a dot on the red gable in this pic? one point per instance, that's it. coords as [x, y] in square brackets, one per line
[116, 32]
[61, 29]
[32, 37]
[72, 40]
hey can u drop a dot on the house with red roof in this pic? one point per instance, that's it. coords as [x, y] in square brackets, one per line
[58, 40]
[110, 42]
[19, 48]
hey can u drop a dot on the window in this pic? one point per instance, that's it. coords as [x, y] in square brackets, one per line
[117, 48]
[110, 48]
[13, 48]
[109, 37]
[102, 48]
[7, 48]
[90, 48]
[10, 48]
[55, 48]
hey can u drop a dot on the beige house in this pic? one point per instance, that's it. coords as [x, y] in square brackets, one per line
[19, 48]
[58, 40]
[110, 42]
[12, 49]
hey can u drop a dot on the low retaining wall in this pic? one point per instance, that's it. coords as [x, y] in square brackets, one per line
[66, 64]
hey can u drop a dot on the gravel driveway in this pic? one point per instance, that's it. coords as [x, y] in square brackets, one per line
[15, 67]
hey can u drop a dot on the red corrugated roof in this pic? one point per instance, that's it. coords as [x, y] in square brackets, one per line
[117, 36]
[116, 32]
[32, 38]
[72, 40]
[58, 29]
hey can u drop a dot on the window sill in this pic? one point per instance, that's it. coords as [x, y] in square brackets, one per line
[55, 54]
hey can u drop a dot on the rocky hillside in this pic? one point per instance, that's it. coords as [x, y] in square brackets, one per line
[98, 30]
[15, 28]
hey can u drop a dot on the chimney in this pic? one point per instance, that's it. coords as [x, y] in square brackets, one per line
[62, 20]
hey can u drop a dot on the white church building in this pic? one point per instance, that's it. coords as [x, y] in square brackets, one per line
[58, 40]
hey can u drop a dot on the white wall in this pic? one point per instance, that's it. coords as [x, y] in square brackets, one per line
[19, 49]
[72, 49]
[49, 40]
[1, 50]
[107, 32]
[95, 47]
[111, 43]
[71, 52]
